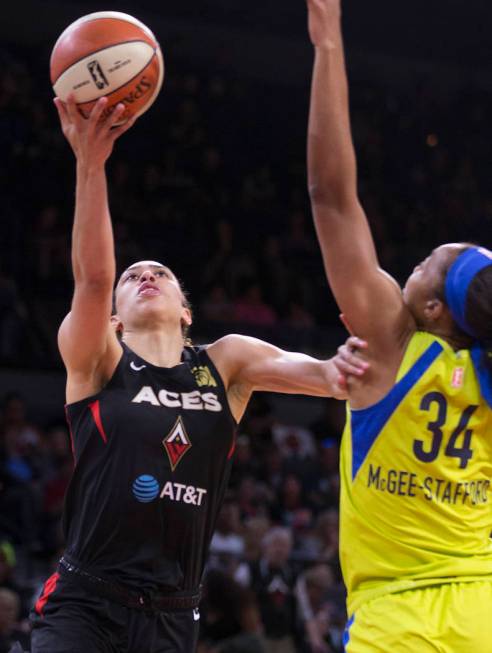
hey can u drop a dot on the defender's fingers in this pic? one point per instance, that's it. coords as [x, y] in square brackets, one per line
[347, 367]
[356, 343]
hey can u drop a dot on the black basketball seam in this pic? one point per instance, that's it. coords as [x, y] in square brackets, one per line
[105, 48]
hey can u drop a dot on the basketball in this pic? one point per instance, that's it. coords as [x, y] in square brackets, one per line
[110, 54]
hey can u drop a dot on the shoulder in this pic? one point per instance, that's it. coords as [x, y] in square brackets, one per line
[231, 342]
[238, 358]
[235, 350]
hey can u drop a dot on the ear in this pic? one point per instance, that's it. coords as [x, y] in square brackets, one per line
[186, 316]
[433, 309]
[117, 324]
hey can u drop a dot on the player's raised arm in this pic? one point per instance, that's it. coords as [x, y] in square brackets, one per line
[369, 298]
[85, 337]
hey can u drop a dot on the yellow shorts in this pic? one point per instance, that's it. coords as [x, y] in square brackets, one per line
[448, 618]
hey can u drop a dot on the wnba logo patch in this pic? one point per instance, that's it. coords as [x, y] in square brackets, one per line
[458, 377]
[145, 488]
[176, 443]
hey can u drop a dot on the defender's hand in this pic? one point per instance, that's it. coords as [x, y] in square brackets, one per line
[348, 360]
[91, 139]
[324, 22]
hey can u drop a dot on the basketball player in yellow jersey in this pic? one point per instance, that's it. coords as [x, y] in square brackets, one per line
[416, 467]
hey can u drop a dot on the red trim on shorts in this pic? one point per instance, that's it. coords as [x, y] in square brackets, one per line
[72, 443]
[96, 414]
[233, 446]
[48, 588]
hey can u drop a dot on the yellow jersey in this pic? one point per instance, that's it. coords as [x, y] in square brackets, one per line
[416, 469]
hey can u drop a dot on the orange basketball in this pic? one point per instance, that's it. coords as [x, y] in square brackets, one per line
[112, 54]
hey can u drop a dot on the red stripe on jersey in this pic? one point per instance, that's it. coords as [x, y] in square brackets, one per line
[48, 588]
[72, 444]
[233, 446]
[96, 414]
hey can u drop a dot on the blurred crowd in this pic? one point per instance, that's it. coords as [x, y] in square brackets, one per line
[212, 182]
[272, 583]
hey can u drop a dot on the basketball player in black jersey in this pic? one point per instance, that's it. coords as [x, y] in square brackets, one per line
[153, 425]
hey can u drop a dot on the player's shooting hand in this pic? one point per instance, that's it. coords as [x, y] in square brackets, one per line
[324, 22]
[349, 361]
[91, 139]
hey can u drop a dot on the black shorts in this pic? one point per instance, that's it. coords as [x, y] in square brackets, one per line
[69, 618]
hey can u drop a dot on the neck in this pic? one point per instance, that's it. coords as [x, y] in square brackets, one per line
[456, 340]
[158, 347]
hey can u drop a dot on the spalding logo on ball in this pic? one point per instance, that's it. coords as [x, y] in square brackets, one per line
[108, 53]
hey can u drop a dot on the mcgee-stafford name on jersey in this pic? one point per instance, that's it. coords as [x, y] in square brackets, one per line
[194, 400]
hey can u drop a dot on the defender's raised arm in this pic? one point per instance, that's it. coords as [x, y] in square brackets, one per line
[370, 300]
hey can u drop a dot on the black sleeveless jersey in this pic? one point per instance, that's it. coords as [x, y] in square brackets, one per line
[152, 455]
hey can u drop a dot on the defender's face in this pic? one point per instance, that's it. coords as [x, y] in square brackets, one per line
[427, 279]
[148, 287]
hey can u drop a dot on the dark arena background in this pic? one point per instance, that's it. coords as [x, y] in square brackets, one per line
[212, 180]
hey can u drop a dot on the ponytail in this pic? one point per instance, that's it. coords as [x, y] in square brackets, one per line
[479, 312]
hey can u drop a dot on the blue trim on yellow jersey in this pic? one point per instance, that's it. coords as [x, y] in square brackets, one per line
[367, 423]
[483, 373]
[346, 632]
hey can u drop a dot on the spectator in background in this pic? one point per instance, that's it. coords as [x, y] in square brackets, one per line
[227, 545]
[253, 498]
[294, 441]
[19, 511]
[320, 543]
[272, 469]
[272, 580]
[320, 603]
[19, 439]
[323, 481]
[250, 307]
[7, 564]
[258, 420]
[51, 262]
[245, 463]
[230, 619]
[292, 508]
[255, 529]
[13, 314]
[274, 272]
[10, 630]
[57, 474]
[216, 306]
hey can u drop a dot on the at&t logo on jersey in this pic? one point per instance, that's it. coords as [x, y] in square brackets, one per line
[195, 400]
[145, 489]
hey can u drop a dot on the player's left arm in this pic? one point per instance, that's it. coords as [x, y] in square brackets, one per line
[247, 364]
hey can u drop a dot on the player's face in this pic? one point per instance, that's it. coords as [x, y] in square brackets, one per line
[148, 289]
[426, 283]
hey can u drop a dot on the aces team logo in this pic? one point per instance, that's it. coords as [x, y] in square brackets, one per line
[203, 376]
[176, 443]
